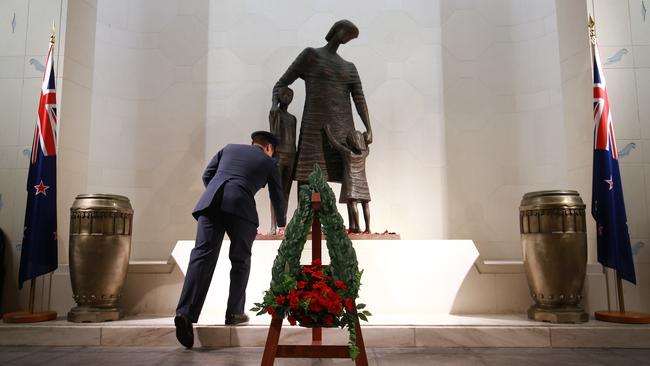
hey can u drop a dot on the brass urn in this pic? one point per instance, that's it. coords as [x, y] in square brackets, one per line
[100, 245]
[554, 240]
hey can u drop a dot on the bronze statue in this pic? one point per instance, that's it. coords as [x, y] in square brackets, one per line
[329, 82]
[283, 126]
[354, 188]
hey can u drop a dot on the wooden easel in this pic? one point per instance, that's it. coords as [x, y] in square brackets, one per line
[316, 350]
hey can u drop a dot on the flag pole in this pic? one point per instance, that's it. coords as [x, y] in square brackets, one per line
[592, 38]
[620, 316]
[609, 300]
[32, 294]
[31, 316]
[619, 290]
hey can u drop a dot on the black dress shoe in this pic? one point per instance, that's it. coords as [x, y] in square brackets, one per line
[184, 332]
[236, 319]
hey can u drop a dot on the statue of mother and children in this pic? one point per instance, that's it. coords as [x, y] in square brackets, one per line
[327, 133]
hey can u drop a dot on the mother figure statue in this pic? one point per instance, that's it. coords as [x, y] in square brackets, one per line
[329, 82]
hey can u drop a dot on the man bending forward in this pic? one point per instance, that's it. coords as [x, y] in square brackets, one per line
[231, 179]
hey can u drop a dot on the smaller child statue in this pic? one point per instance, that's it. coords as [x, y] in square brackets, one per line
[283, 126]
[354, 187]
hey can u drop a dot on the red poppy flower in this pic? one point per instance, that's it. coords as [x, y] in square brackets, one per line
[335, 308]
[317, 274]
[349, 305]
[280, 299]
[302, 284]
[315, 307]
[324, 301]
[340, 285]
[293, 297]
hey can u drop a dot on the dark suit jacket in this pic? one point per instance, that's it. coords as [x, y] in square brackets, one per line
[246, 169]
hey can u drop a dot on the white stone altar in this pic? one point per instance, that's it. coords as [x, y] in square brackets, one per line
[405, 282]
[414, 277]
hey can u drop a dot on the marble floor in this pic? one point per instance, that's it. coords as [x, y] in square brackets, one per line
[164, 356]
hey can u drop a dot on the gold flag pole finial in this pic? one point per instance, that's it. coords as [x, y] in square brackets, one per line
[592, 29]
[52, 36]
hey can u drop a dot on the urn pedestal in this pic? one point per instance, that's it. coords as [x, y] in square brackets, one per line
[554, 243]
[100, 245]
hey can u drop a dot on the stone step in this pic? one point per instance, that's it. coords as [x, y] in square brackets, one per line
[449, 331]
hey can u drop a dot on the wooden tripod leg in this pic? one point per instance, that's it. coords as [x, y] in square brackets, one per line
[317, 336]
[362, 358]
[272, 339]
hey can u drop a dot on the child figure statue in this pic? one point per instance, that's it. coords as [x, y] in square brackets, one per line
[283, 126]
[354, 187]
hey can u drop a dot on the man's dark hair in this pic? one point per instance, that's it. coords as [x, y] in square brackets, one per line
[264, 138]
[261, 140]
[348, 25]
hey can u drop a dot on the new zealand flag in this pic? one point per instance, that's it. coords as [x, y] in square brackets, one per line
[607, 205]
[39, 248]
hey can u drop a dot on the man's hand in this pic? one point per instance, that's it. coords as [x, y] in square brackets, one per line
[281, 230]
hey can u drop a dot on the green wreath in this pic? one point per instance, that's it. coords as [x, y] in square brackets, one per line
[316, 295]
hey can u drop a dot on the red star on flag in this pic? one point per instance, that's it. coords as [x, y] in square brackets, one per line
[41, 188]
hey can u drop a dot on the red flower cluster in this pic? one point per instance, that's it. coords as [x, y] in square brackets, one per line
[316, 300]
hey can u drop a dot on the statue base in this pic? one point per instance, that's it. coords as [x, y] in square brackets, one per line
[431, 281]
[89, 314]
[559, 315]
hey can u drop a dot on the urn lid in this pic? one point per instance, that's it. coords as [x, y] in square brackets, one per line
[552, 198]
[101, 201]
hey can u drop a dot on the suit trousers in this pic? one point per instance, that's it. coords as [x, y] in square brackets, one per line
[211, 227]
